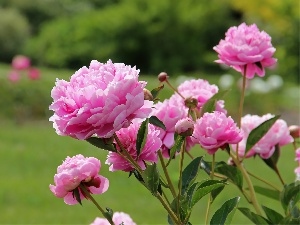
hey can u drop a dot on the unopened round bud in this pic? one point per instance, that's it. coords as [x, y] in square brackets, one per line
[163, 76]
[185, 127]
[191, 103]
[294, 131]
[147, 95]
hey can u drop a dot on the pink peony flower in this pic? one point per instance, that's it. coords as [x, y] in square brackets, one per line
[128, 137]
[118, 218]
[278, 134]
[214, 130]
[198, 89]
[170, 113]
[34, 73]
[100, 100]
[14, 76]
[246, 47]
[297, 155]
[20, 62]
[185, 127]
[75, 170]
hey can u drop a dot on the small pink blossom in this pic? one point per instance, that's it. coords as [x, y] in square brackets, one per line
[99, 100]
[297, 172]
[246, 47]
[20, 62]
[298, 155]
[34, 73]
[128, 138]
[214, 130]
[199, 89]
[75, 170]
[118, 218]
[14, 76]
[169, 112]
[185, 127]
[278, 134]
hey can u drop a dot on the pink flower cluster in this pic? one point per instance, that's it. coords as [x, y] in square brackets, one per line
[99, 100]
[128, 138]
[22, 63]
[118, 219]
[297, 158]
[278, 134]
[215, 130]
[245, 47]
[78, 170]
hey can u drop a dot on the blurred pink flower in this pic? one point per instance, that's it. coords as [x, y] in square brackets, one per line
[34, 73]
[75, 170]
[128, 138]
[20, 62]
[170, 113]
[278, 134]
[100, 100]
[14, 76]
[297, 155]
[297, 172]
[200, 90]
[185, 127]
[118, 218]
[214, 130]
[246, 46]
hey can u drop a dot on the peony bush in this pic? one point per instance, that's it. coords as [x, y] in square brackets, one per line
[108, 106]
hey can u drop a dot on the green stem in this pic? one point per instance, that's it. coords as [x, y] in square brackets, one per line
[174, 89]
[250, 185]
[210, 198]
[163, 165]
[180, 172]
[89, 196]
[173, 216]
[241, 107]
[126, 155]
[264, 181]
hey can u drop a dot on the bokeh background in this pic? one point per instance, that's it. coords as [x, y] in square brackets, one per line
[176, 36]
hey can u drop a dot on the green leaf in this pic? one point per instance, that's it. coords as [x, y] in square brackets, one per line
[256, 219]
[289, 220]
[142, 136]
[257, 133]
[289, 193]
[272, 215]
[103, 143]
[190, 173]
[109, 213]
[176, 147]
[76, 195]
[156, 91]
[205, 166]
[272, 161]
[233, 173]
[224, 214]
[151, 178]
[209, 106]
[203, 189]
[156, 122]
[216, 192]
[271, 193]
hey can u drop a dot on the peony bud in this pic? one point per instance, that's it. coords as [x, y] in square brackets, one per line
[147, 95]
[163, 76]
[191, 103]
[294, 131]
[185, 127]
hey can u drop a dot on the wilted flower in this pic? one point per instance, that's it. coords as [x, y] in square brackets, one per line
[185, 127]
[100, 100]
[128, 138]
[118, 219]
[78, 170]
[215, 130]
[198, 89]
[245, 47]
[278, 135]
[20, 62]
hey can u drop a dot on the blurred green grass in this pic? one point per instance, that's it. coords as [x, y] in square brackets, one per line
[31, 152]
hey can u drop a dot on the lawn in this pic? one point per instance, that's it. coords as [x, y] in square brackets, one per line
[31, 151]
